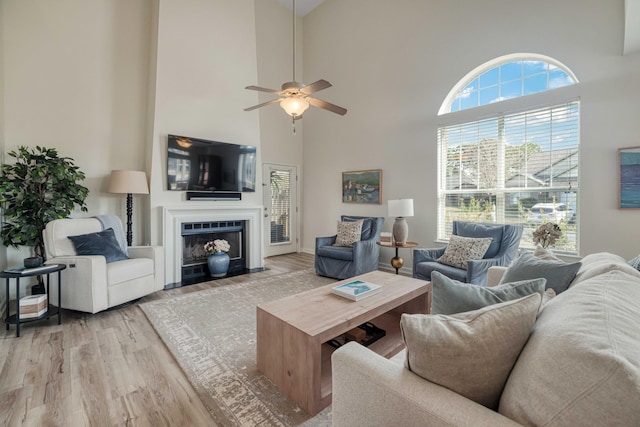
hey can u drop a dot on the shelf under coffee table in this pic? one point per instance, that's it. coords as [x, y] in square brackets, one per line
[292, 332]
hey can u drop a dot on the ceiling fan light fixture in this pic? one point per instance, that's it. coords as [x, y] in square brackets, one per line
[294, 105]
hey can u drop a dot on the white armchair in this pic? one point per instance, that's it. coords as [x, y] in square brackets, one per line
[89, 283]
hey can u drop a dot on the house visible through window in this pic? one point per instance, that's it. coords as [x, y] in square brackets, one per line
[519, 167]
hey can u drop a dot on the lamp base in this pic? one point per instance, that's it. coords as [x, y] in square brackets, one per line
[400, 231]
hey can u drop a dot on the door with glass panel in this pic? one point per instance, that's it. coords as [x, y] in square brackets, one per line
[280, 209]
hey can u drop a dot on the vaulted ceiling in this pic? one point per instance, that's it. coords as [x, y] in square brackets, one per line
[631, 20]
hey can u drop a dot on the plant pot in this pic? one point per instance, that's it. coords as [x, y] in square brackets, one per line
[218, 264]
[33, 262]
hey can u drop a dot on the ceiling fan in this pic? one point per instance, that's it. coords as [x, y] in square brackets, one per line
[294, 96]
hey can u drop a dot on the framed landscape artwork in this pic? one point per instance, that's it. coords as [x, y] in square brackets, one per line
[629, 178]
[362, 186]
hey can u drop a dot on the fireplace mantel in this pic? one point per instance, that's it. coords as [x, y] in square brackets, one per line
[173, 217]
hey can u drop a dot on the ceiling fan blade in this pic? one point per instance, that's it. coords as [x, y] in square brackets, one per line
[273, 101]
[315, 87]
[263, 89]
[327, 106]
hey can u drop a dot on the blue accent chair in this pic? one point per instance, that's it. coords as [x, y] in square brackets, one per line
[503, 250]
[345, 262]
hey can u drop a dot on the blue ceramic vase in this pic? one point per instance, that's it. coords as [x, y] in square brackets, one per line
[218, 264]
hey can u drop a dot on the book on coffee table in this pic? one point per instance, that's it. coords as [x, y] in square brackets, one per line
[356, 289]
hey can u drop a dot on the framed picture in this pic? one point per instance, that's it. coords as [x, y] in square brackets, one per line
[629, 178]
[362, 186]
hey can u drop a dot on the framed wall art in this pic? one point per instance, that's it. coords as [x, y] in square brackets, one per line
[362, 186]
[629, 178]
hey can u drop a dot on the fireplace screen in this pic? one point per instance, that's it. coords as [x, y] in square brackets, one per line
[193, 246]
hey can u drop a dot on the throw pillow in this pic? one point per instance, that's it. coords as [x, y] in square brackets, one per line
[101, 243]
[470, 353]
[478, 229]
[348, 233]
[545, 254]
[635, 263]
[367, 225]
[558, 274]
[451, 296]
[462, 249]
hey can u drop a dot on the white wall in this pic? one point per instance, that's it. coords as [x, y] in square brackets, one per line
[206, 55]
[393, 63]
[75, 78]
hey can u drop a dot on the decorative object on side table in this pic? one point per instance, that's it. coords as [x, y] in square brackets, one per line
[400, 208]
[32, 262]
[129, 183]
[547, 234]
[218, 259]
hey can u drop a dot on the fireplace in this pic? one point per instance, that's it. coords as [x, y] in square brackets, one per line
[174, 216]
[194, 257]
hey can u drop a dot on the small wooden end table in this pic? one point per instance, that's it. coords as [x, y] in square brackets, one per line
[38, 271]
[396, 261]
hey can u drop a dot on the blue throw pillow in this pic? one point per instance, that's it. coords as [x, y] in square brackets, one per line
[451, 296]
[559, 275]
[102, 243]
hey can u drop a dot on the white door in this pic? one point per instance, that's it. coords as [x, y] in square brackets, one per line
[280, 184]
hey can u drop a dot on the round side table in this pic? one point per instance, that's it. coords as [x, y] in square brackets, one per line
[19, 273]
[396, 261]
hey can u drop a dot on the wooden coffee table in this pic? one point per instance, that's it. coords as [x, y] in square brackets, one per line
[292, 332]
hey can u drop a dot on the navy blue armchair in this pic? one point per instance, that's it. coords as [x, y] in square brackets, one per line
[341, 262]
[503, 250]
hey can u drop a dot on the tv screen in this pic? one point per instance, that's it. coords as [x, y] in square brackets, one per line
[200, 165]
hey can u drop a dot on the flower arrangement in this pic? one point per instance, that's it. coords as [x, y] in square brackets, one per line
[547, 234]
[217, 246]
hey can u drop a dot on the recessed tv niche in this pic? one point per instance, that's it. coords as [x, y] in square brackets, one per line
[200, 165]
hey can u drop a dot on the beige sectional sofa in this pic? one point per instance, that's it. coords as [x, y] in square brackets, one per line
[580, 366]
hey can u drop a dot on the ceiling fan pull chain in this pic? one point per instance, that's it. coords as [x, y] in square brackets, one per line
[293, 124]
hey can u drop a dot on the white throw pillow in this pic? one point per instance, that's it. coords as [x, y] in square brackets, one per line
[462, 249]
[348, 232]
[471, 353]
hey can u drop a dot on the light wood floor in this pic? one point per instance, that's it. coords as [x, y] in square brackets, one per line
[107, 369]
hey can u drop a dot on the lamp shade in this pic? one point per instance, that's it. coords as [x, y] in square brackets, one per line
[294, 105]
[128, 182]
[401, 207]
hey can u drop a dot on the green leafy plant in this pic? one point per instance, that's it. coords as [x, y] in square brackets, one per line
[39, 187]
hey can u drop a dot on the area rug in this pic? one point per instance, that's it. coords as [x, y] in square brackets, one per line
[212, 335]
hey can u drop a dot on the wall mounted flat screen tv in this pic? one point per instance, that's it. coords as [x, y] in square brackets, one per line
[200, 165]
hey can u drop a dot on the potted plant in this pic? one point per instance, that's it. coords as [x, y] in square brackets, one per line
[218, 259]
[37, 188]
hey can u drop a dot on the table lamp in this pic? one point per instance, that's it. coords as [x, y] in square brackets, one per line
[400, 208]
[129, 183]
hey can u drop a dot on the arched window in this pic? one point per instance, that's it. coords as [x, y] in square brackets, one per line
[516, 166]
[507, 77]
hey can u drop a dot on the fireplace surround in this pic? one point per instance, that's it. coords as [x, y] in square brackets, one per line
[177, 217]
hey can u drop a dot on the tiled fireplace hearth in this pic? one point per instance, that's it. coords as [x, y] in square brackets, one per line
[175, 217]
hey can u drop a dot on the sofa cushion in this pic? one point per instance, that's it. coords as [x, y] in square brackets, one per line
[462, 249]
[558, 274]
[470, 353]
[336, 252]
[101, 243]
[581, 364]
[600, 263]
[451, 296]
[129, 269]
[348, 233]
[475, 229]
[425, 269]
